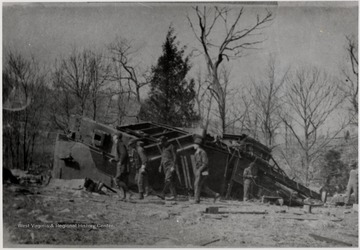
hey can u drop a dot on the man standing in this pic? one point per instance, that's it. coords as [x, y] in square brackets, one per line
[201, 172]
[248, 176]
[122, 165]
[140, 162]
[352, 186]
[168, 161]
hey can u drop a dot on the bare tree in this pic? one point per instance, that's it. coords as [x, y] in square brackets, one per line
[125, 69]
[350, 85]
[267, 100]
[99, 73]
[80, 82]
[22, 126]
[311, 99]
[204, 100]
[232, 44]
[74, 77]
[239, 116]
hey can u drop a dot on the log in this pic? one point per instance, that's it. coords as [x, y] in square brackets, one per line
[207, 242]
[188, 172]
[329, 240]
[184, 171]
[308, 218]
[243, 212]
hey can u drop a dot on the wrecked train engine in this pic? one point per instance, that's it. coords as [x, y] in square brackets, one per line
[86, 150]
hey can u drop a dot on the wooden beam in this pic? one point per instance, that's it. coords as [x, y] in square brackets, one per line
[329, 240]
[207, 242]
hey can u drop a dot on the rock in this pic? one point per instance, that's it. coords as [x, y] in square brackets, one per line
[78, 193]
[32, 235]
[164, 216]
[18, 205]
[189, 218]
[35, 212]
[45, 218]
[66, 210]
[20, 211]
[355, 207]
[22, 199]
[92, 216]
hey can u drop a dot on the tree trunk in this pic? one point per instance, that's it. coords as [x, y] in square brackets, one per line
[94, 109]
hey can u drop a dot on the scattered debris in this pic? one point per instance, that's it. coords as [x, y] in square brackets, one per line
[212, 210]
[329, 240]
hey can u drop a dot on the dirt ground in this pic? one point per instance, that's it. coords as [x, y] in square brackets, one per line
[63, 216]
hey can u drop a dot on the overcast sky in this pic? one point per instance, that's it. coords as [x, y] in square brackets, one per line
[301, 32]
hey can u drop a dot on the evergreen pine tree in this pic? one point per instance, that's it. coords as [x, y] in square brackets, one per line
[171, 97]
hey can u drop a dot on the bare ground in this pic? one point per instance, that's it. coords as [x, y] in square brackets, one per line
[59, 215]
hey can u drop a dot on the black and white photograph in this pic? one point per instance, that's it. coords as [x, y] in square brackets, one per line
[180, 124]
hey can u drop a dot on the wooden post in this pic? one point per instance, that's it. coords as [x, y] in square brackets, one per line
[307, 208]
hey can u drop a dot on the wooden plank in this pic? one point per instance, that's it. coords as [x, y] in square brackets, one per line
[207, 242]
[177, 172]
[188, 172]
[243, 212]
[329, 240]
[306, 218]
[184, 171]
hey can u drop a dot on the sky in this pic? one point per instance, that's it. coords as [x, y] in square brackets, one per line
[302, 33]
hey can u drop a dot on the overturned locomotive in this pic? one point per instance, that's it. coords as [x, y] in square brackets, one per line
[86, 150]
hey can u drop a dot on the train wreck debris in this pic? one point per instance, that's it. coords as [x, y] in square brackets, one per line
[85, 152]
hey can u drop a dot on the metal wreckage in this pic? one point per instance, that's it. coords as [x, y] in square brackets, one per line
[86, 150]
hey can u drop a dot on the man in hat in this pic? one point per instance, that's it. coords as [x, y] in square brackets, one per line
[248, 177]
[140, 162]
[122, 164]
[201, 172]
[168, 161]
[352, 186]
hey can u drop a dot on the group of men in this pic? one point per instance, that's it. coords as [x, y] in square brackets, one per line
[167, 165]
